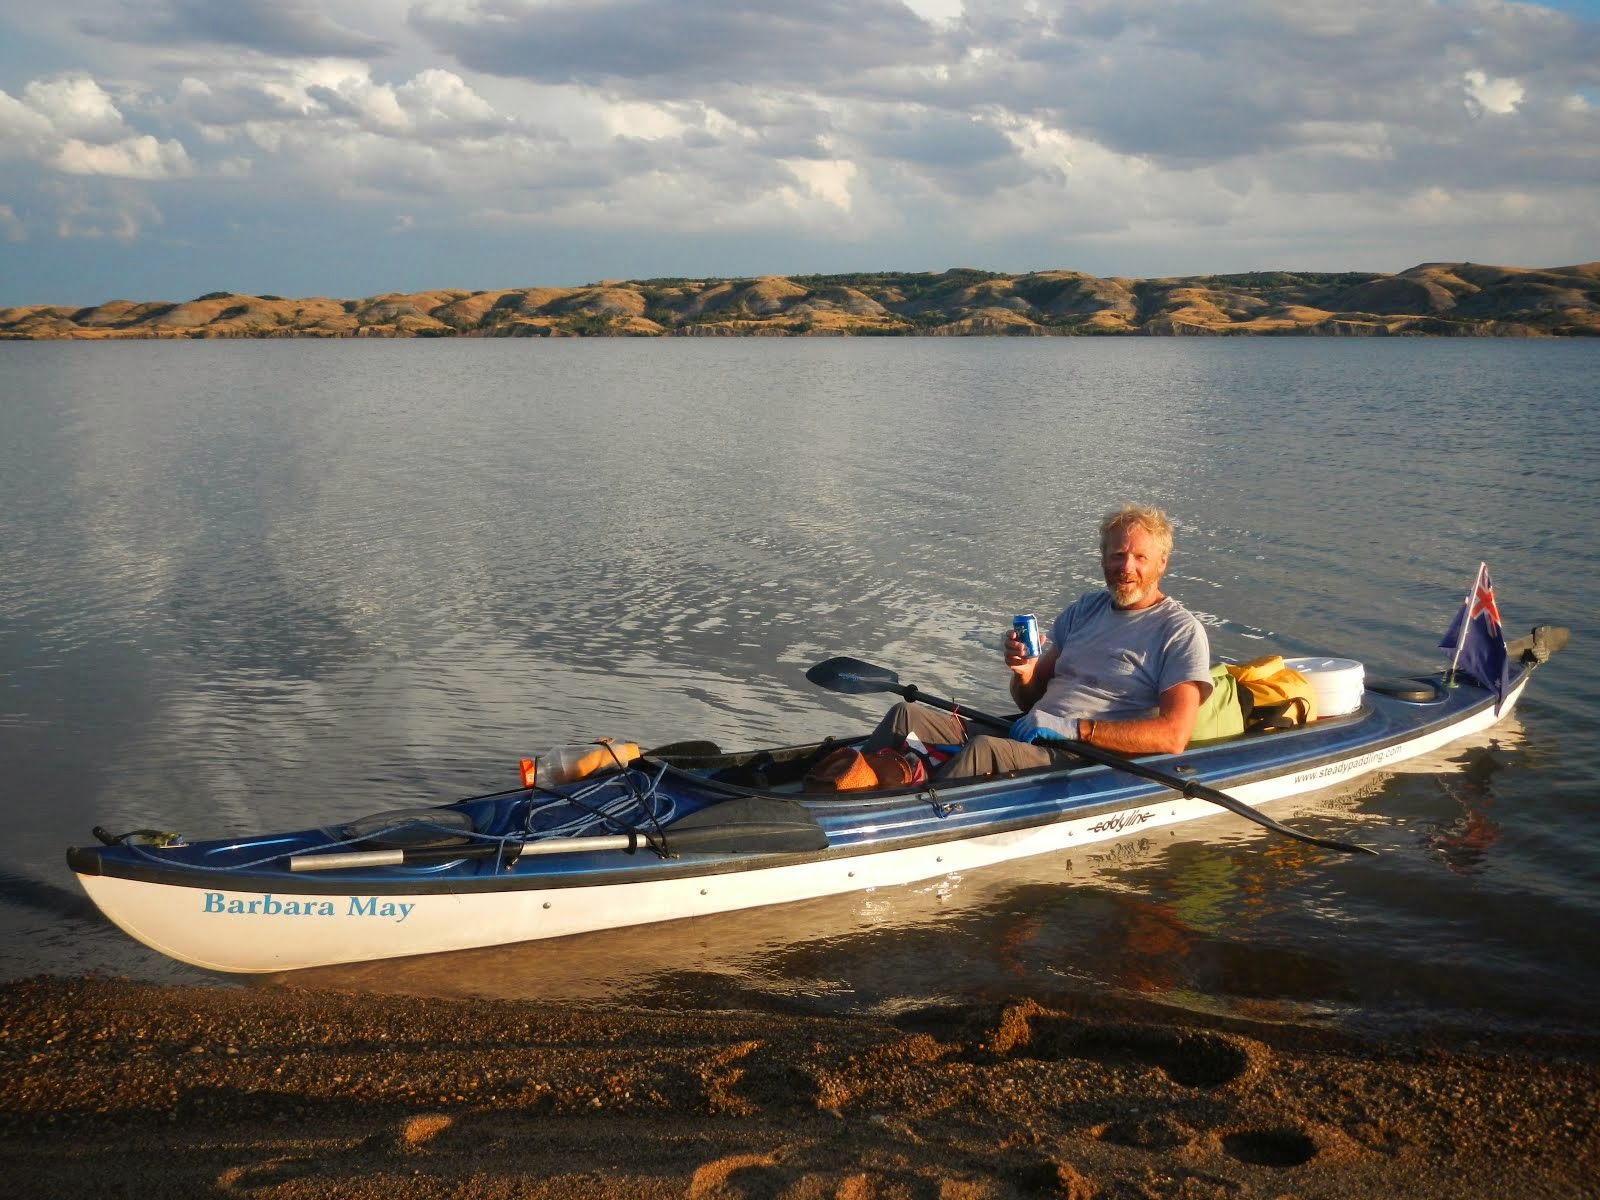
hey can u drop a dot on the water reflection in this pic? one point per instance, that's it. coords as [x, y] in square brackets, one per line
[1464, 842]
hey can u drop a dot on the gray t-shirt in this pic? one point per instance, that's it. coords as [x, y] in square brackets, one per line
[1115, 664]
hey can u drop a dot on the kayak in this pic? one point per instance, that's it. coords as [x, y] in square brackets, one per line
[688, 831]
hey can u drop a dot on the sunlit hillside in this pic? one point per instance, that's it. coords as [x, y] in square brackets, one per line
[1435, 299]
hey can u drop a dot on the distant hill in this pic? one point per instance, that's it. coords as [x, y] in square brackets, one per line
[1434, 299]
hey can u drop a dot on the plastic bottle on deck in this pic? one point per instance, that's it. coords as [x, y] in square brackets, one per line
[566, 764]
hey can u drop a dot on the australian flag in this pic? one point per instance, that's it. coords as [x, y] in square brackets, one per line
[1476, 641]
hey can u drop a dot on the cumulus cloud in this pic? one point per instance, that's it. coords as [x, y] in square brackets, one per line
[334, 94]
[75, 106]
[72, 124]
[24, 131]
[1497, 96]
[828, 182]
[141, 157]
[232, 98]
[436, 97]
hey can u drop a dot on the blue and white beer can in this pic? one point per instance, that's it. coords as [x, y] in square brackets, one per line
[1027, 627]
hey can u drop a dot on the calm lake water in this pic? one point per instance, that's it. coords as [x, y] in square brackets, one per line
[253, 585]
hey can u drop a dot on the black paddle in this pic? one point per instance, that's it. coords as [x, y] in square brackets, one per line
[854, 677]
[748, 825]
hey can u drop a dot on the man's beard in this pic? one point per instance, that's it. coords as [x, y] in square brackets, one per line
[1125, 595]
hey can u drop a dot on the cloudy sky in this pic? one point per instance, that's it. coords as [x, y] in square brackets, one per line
[168, 148]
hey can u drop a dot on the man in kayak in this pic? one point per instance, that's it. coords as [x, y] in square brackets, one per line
[1125, 669]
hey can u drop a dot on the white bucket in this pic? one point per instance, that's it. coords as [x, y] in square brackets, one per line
[1338, 683]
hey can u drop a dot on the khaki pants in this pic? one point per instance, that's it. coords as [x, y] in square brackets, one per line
[981, 754]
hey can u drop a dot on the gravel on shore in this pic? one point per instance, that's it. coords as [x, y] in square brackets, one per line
[124, 1089]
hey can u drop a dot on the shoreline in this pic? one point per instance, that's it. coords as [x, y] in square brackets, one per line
[145, 1089]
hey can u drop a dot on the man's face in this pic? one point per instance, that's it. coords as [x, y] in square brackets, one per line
[1133, 565]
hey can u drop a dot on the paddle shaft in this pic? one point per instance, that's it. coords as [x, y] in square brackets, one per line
[1188, 788]
[429, 854]
[747, 825]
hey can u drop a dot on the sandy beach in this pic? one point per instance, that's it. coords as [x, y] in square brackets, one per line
[129, 1089]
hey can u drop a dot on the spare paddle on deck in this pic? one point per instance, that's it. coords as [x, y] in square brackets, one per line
[854, 677]
[697, 748]
[748, 825]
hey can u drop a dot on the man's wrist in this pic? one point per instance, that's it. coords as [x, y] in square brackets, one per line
[1085, 729]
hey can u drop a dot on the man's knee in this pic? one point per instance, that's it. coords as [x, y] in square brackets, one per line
[904, 719]
[986, 754]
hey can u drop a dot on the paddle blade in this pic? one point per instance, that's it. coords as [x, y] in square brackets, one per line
[1201, 792]
[696, 748]
[1539, 645]
[853, 677]
[749, 825]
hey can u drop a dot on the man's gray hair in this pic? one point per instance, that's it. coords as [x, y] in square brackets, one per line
[1152, 520]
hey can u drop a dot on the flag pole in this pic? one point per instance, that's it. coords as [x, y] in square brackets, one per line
[1466, 619]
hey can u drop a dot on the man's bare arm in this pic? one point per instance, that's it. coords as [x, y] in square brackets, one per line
[1166, 733]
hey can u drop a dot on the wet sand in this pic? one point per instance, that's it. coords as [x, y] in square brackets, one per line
[118, 1088]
